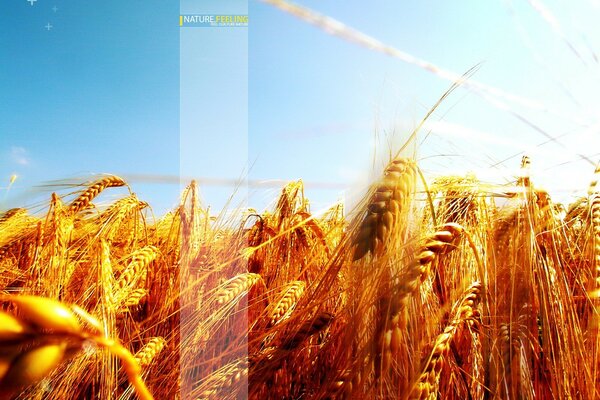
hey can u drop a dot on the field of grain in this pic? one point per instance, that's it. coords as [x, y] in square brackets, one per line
[449, 289]
[432, 286]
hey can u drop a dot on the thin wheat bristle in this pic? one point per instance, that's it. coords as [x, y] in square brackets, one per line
[224, 380]
[308, 329]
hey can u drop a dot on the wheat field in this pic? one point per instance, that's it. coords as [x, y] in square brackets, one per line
[446, 289]
[431, 287]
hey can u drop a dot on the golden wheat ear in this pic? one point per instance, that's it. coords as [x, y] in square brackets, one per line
[43, 334]
[464, 313]
[35, 342]
[391, 197]
[84, 199]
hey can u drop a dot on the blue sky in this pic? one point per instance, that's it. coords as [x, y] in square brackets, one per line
[214, 105]
[97, 93]
[115, 87]
[328, 96]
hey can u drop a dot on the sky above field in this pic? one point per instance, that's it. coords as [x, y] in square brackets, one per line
[115, 87]
[98, 92]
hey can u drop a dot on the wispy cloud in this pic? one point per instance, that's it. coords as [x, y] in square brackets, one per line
[19, 155]
[335, 128]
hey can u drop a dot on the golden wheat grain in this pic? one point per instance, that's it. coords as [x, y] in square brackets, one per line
[427, 383]
[46, 314]
[136, 269]
[84, 199]
[150, 350]
[61, 227]
[51, 332]
[134, 298]
[286, 299]
[31, 366]
[434, 245]
[11, 328]
[12, 213]
[391, 197]
[235, 287]
[111, 221]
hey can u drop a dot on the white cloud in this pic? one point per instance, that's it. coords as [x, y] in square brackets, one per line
[19, 155]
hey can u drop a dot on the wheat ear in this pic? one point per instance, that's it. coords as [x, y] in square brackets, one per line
[84, 199]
